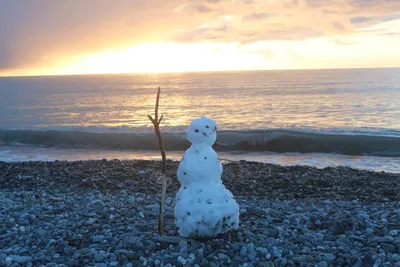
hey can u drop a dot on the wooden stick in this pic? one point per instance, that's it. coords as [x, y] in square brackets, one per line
[156, 122]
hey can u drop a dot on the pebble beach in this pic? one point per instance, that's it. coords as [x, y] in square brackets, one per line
[105, 213]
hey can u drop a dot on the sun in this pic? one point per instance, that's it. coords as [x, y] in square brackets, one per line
[159, 57]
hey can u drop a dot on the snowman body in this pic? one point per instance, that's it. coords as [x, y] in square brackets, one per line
[204, 207]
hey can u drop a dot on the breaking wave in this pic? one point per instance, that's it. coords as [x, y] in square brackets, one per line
[272, 140]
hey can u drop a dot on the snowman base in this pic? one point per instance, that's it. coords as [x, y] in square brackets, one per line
[205, 210]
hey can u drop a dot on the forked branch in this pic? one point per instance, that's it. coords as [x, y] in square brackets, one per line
[156, 122]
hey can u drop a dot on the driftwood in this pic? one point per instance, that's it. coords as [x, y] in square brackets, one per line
[156, 122]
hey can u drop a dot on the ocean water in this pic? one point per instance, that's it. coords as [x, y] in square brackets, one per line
[317, 117]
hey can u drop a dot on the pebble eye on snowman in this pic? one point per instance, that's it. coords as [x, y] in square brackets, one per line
[204, 207]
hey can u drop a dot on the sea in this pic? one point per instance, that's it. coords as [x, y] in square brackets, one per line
[320, 118]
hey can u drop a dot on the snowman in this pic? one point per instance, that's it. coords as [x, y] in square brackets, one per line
[204, 207]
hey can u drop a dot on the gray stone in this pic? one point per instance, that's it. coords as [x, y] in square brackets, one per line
[322, 264]
[251, 252]
[383, 239]
[356, 237]
[264, 251]
[99, 257]
[204, 262]
[389, 248]
[276, 253]
[4, 236]
[98, 238]
[281, 262]
[20, 259]
[396, 257]
[243, 251]
[357, 263]
[328, 257]
[181, 260]
[392, 233]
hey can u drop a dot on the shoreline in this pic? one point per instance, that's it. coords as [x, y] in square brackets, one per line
[105, 213]
[243, 178]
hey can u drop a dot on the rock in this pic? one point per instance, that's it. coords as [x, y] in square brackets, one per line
[389, 248]
[281, 262]
[383, 239]
[263, 251]
[98, 257]
[141, 214]
[169, 239]
[223, 257]
[353, 252]
[98, 238]
[356, 237]
[4, 236]
[131, 200]
[20, 259]
[396, 257]
[276, 253]
[367, 261]
[377, 262]
[322, 264]
[328, 257]
[204, 262]
[181, 260]
[392, 233]
[97, 202]
[168, 259]
[250, 251]
[357, 263]
[243, 251]
[269, 264]
[100, 264]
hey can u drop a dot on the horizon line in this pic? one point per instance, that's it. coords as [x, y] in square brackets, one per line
[181, 72]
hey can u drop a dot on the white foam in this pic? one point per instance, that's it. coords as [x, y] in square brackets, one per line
[319, 160]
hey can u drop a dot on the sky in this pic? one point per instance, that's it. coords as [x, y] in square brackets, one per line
[52, 37]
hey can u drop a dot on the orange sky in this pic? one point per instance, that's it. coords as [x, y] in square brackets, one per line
[48, 37]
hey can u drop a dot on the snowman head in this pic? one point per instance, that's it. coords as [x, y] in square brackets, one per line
[202, 131]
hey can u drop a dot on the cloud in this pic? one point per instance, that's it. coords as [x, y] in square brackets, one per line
[257, 16]
[47, 32]
[341, 41]
[203, 9]
[360, 19]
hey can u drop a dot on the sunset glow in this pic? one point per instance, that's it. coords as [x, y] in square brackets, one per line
[213, 36]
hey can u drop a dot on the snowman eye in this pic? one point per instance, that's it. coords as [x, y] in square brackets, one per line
[207, 126]
[215, 127]
[196, 131]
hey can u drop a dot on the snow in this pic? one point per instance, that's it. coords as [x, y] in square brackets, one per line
[202, 131]
[204, 207]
